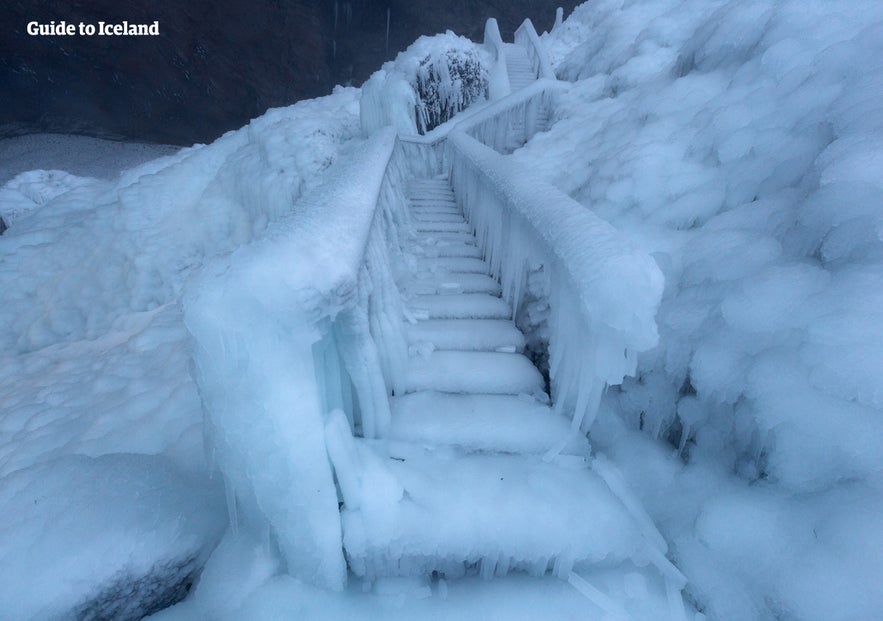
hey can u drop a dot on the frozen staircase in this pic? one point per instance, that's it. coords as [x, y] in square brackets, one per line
[478, 474]
[467, 370]
[463, 465]
[518, 66]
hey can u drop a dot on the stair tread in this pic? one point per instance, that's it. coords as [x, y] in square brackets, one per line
[478, 372]
[444, 249]
[451, 237]
[466, 265]
[490, 423]
[467, 334]
[423, 212]
[439, 217]
[461, 306]
[428, 283]
[509, 511]
[443, 227]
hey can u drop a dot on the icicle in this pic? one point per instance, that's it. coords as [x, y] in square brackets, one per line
[602, 601]
[387, 31]
[232, 511]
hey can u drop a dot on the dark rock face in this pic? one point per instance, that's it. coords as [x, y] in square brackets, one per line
[134, 597]
[216, 63]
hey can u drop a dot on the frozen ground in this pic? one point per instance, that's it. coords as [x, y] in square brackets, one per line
[738, 141]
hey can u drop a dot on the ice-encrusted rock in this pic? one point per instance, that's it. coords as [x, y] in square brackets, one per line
[113, 537]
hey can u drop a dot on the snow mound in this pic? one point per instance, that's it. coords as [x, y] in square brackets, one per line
[93, 355]
[740, 142]
[30, 190]
[118, 536]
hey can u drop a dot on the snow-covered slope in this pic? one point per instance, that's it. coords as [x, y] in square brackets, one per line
[94, 357]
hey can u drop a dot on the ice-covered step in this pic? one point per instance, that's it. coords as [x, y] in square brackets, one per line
[436, 206]
[446, 250]
[460, 306]
[478, 372]
[429, 183]
[431, 193]
[432, 196]
[420, 213]
[433, 202]
[439, 237]
[442, 511]
[428, 283]
[467, 334]
[489, 423]
[438, 217]
[468, 265]
[443, 227]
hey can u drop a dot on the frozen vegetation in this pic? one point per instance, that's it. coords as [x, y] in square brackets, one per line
[643, 381]
[426, 85]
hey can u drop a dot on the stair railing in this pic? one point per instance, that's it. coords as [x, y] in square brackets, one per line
[526, 36]
[489, 123]
[285, 331]
[602, 292]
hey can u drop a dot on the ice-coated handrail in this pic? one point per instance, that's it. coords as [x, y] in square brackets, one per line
[281, 331]
[499, 78]
[527, 36]
[604, 292]
[477, 121]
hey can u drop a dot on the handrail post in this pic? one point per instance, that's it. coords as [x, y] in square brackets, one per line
[498, 86]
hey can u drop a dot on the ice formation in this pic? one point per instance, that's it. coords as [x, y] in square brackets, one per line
[736, 141]
[425, 85]
[329, 306]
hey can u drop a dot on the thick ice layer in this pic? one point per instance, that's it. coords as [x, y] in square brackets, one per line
[737, 140]
[467, 334]
[598, 285]
[466, 265]
[473, 372]
[258, 318]
[498, 77]
[488, 423]
[456, 509]
[460, 306]
[428, 283]
[117, 536]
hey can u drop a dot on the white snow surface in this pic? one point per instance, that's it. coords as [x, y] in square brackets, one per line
[94, 356]
[101, 536]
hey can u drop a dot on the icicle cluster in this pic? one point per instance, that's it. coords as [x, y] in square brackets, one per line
[602, 293]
